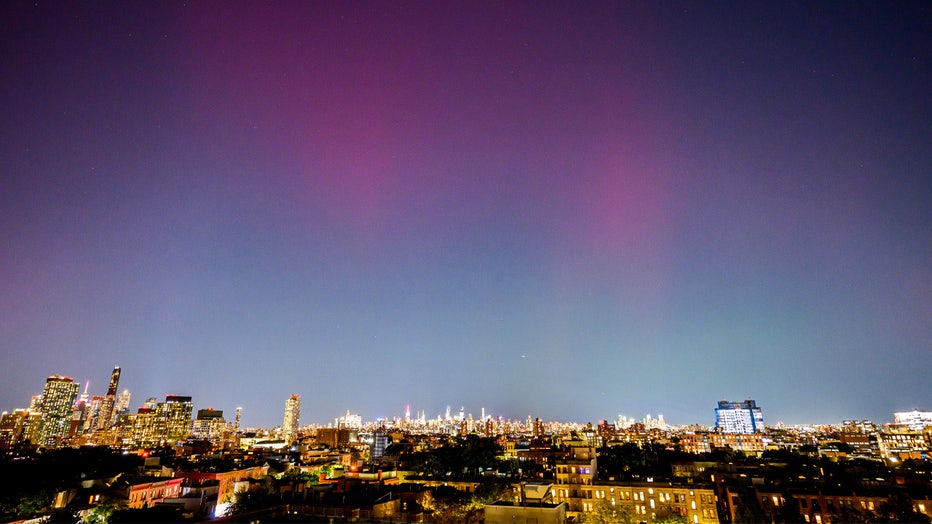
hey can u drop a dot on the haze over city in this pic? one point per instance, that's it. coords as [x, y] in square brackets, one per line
[572, 211]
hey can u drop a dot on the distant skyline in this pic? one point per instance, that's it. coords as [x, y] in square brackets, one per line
[572, 211]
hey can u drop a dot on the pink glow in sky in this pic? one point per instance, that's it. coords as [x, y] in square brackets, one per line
[378, 205]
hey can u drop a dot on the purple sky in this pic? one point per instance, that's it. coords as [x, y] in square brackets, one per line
[566, 210]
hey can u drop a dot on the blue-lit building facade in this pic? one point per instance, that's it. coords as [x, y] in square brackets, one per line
[739, 417]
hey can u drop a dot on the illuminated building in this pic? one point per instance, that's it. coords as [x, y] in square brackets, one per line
[173, 418]
[349, 420]
[336, 437]
[292, 417]
[122, 404]
[536, 505]
[56, 407]
[902, 443]
[148, 494]
[577, 469]
[209, 425]
[105, 420]
[645, 501]
[137, 430]
[92, 417]
[739, 417]
[915, 419]
[704, 442]
[11, 427]
[227, 481]
[380, 441]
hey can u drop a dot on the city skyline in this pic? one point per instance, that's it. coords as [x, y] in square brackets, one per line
[572, 211]
[447, 412]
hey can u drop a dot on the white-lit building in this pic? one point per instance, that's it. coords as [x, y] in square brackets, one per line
[292, 418]
[739, 417]
[915, 419]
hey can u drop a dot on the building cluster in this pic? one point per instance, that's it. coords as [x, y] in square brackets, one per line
[60, 417]
[560, 472]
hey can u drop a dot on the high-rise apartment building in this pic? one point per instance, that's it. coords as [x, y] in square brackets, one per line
[292, 416]
[56, 407]
[173, 418]
[209, 425]
[739, 417]
[380, 441]
[11, 427]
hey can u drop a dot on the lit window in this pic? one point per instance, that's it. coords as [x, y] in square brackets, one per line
[696, 519]
[694, 504]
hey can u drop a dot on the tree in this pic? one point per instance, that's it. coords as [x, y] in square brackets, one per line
[34, 502]
[480, 453]
[668, 515]
[899, 507]
[103, 512]
[604, 512]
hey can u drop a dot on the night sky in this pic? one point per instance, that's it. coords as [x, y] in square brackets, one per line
[566, 210]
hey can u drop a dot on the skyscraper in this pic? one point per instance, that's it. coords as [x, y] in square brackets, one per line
[292, 415]
[56, 407]
[122, 404]
[173, 418]
[114, 381]
[739, 417]
[106, 407]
